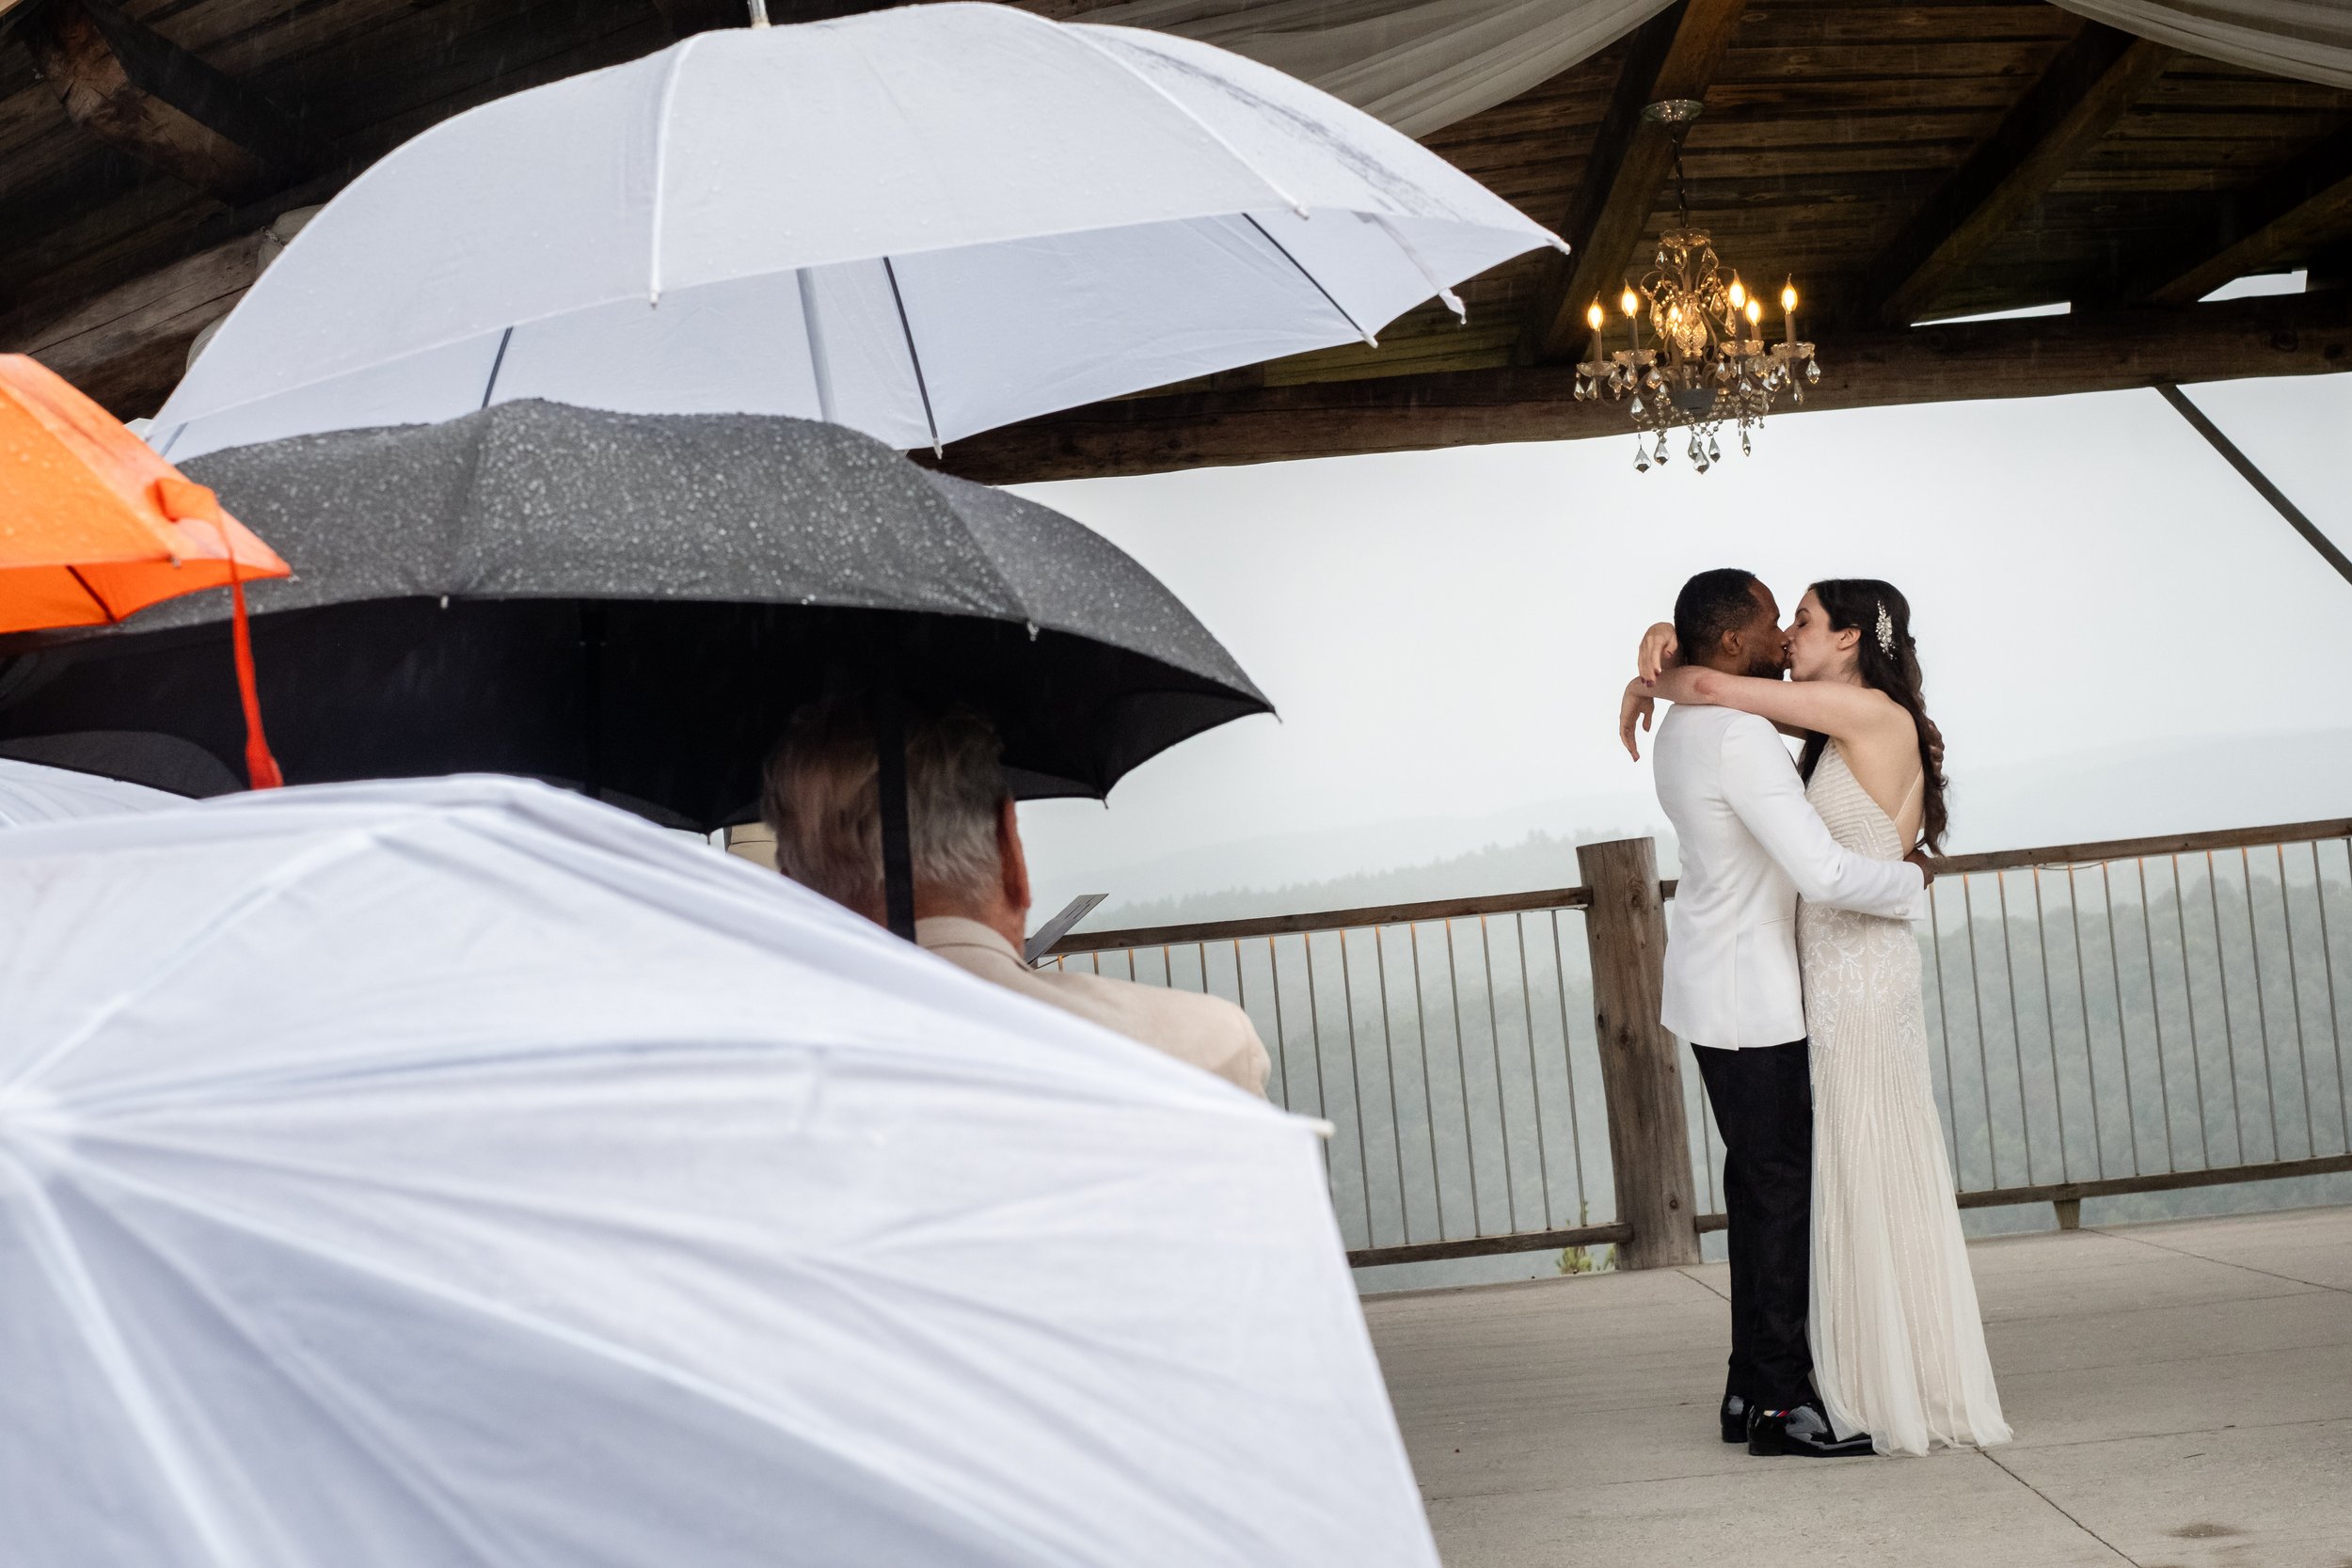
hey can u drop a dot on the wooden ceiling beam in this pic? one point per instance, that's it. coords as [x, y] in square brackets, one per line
[134, 88]
[2095, 78]
[128, 347]
[1673, 55]
[2307, 202]
[2037, 357]
[702, 16]
[687, 17]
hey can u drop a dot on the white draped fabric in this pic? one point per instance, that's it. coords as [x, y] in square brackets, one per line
[2309, 40]
[1419, 65]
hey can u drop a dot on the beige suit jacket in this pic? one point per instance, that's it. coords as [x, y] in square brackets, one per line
[1207, 1031]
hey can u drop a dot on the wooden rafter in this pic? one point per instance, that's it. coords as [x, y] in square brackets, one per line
[2087, 89]
[2283, 335]
[127, 347]
[1674, 55]
[129, 85]
[686, 17]
[2307, 201]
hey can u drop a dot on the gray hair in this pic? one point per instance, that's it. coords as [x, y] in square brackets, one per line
[822, 799]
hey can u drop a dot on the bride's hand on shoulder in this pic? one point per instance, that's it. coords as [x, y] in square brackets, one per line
[1635, 705]
[1659, 651]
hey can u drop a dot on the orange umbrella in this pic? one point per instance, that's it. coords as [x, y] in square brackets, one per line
[94, 526]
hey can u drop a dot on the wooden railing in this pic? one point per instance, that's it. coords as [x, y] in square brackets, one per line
[2134, 1016]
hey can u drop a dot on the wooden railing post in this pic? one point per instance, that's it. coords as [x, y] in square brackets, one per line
[1641, 1075]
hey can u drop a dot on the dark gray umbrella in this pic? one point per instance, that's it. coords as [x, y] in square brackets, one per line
[632, 605]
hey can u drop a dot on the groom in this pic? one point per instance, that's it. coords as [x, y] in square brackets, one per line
[1750, 845]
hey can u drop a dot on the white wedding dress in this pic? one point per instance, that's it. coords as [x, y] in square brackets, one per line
[1898, 1342]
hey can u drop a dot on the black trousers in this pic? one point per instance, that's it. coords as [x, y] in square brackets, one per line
[1763, 1099]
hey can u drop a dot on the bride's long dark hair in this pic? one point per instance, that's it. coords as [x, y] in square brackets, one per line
[1854, 604]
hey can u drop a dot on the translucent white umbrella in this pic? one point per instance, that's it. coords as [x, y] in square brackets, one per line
[458, 1172]
[921, 223]
[31, 793]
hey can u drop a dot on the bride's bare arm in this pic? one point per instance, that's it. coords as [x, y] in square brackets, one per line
[1635, 704]
[1659, 650]
[1850, 713]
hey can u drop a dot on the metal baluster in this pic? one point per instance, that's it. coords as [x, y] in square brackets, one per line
[2188, 989]
[2017, 1030]
[1567, 1049]
[1314, 1022]
[2122, 1036]
[1200, 956]
[2262, 1008]
[1356, 1079]
[1944, 1030]
[1975, 1010]
[1428, 1095]
[1281, 1041]
[2328, 963]
[1535, 1078]
[2294, 992]
[2049, 1023]
[2229, 1024]
[2082, 995]
[1502, 1101]
[1461, 1072]
[2156, 1011]
[1388, 1055]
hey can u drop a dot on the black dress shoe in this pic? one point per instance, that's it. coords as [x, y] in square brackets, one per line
[1802, 1431]
[1735, 1417]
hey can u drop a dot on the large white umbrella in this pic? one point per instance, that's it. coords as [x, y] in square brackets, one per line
[30, 793]
[458, 1172]
[921, 223]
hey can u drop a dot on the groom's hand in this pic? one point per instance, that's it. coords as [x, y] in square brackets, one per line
[1927, 873]
[1634, 705]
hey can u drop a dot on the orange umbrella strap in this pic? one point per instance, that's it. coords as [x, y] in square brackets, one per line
[184, 501]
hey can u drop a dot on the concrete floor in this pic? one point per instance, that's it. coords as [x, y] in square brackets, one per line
[2181, 1395]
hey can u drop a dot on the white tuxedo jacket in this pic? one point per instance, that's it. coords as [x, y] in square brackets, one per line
[1750, 845]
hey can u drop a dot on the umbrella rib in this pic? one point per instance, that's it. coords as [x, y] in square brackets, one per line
[1283, 251]
[96, 597]
[584, 1342]
[414, 1474]
[497, 363]
[820, 369]
[914, 359]
[269, 887]
[1451, 300]
[61, 1260]
[660, 165]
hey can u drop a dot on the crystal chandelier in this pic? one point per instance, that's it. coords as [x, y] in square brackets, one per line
[1706, 361]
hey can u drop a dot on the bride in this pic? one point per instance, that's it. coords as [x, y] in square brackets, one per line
[1897, 1338]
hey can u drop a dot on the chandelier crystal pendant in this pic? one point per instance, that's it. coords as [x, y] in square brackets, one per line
[1707, 362]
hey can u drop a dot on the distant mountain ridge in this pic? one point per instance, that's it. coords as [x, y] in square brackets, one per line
[2164, 787]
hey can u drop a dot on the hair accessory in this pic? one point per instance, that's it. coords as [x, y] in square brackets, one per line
[1886, 629]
